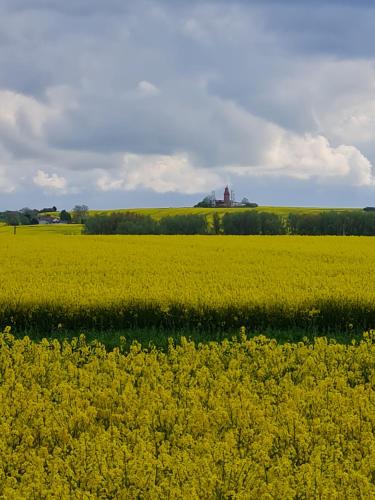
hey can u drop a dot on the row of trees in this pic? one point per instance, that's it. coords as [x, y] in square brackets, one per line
[133, 223]
[241, 223]
[252, 223]
[231, 223]
[333, 223]
[360, 223]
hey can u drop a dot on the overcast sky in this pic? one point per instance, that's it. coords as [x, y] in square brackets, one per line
[119, 103]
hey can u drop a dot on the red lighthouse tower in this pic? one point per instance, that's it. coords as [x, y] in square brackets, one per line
[227, 200]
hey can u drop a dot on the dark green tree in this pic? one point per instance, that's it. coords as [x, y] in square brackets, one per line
[183, 224]
[65, 217]
[207, 202]
[120, 223]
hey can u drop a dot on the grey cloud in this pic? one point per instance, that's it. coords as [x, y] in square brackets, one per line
[181, 118]
[76, 7]
[229, 74]
[342, 30]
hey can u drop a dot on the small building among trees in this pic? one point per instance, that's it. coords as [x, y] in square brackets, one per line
[228, 201]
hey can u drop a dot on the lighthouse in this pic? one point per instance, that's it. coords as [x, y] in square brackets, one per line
[227, 200]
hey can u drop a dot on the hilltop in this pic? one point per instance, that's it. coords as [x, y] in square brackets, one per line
[157, 213]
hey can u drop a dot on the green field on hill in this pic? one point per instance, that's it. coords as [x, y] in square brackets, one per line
[158, 213]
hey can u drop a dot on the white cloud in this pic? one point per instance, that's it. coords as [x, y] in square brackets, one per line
[147, 88]
[19, 112]
[162, 174]
[50, 181]
[352, 121]
[23, 114]
[243, 144]
[331, 97]
[289, 155]
[308, 156]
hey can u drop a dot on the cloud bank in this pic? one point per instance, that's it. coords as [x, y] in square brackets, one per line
[159, 99]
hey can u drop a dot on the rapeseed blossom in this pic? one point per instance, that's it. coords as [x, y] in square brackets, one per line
[55, 282]
[237, 419]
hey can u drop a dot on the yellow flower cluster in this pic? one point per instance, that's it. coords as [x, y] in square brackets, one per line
[237, 419]
[77, 281]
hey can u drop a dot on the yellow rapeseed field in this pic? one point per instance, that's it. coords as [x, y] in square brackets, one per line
[49, 278]
[247, 418]
[242, 419]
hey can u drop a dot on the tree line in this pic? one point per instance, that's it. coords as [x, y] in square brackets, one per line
[345, 223]
[330, 222]
[133, 223]
[341, 223]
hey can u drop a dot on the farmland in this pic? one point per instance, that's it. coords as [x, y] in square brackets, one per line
[158, 213]
[234, 415]
[53, 278]
[243, 419]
